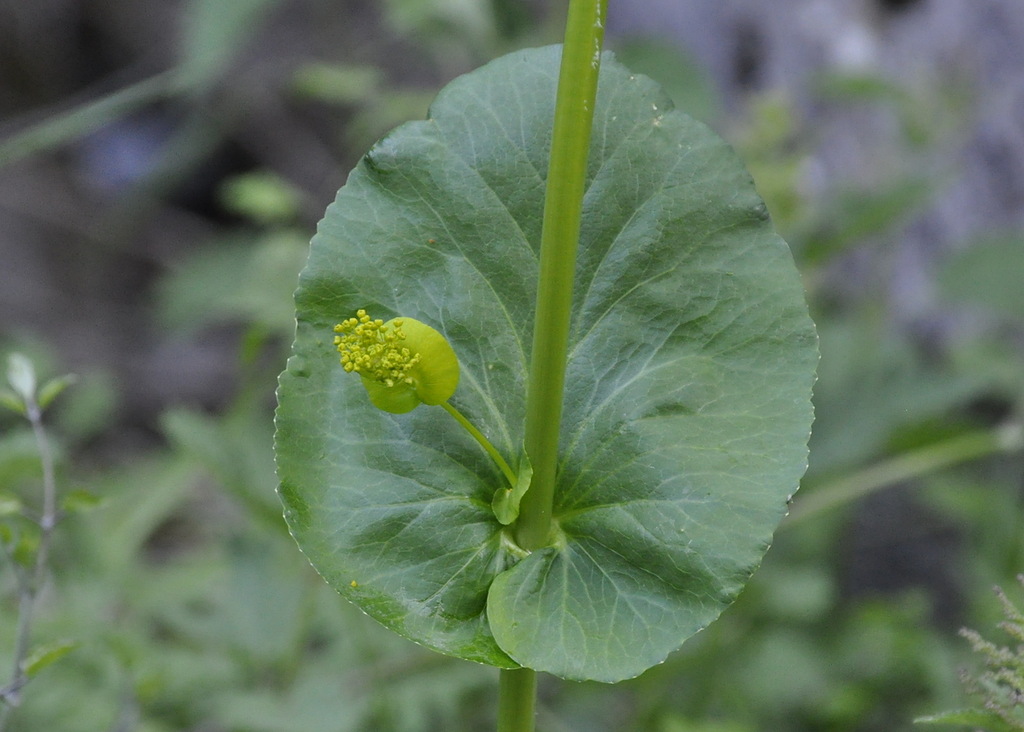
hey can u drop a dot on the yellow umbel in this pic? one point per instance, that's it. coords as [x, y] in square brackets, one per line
[373, 349]
[403, 362]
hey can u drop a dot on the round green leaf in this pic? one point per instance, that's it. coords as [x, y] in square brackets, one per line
[687, 404]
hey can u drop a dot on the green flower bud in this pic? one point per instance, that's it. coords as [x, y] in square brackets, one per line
[403, 362]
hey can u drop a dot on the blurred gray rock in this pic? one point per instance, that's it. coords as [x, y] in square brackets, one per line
[974, 47]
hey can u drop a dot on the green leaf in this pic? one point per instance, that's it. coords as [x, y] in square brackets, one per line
[234, 451]
[687, 404]
[10, 504]
[21, 375]
[12, 401]
[347, 84]
[506, 500]
[214, 32]
[19, 456]
[46, 655]
[78, 501]
[53, 388]
[987, 275]
[25, 546]
[975, 717]
[262, 197]
[239, 279]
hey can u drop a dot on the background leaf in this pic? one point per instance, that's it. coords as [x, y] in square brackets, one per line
[989, 720]
[687, 403]
[987, 275]
[47, 654]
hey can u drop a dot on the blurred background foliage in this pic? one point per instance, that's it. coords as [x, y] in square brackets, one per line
[162, 167]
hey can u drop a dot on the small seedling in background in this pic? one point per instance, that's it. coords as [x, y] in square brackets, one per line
[25, 545]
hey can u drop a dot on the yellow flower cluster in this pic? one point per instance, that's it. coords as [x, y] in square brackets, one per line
[373, 349]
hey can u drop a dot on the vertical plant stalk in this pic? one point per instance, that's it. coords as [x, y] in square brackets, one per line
[29, 581]
[563, 204]
[517, 693]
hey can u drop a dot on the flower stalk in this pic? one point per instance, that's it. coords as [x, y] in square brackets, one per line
[477, 435]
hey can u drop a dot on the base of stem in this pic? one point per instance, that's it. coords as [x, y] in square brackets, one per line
[517, 693]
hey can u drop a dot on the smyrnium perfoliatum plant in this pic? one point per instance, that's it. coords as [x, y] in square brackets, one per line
[587, 282]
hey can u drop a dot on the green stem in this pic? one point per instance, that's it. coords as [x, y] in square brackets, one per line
[517, 691]
[1008, 438]
[484, 443]
[563, 203]
[560, 233]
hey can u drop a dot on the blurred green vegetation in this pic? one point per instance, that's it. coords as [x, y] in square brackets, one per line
[192, 609]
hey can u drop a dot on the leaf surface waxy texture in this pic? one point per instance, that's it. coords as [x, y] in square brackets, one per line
[687, 404]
